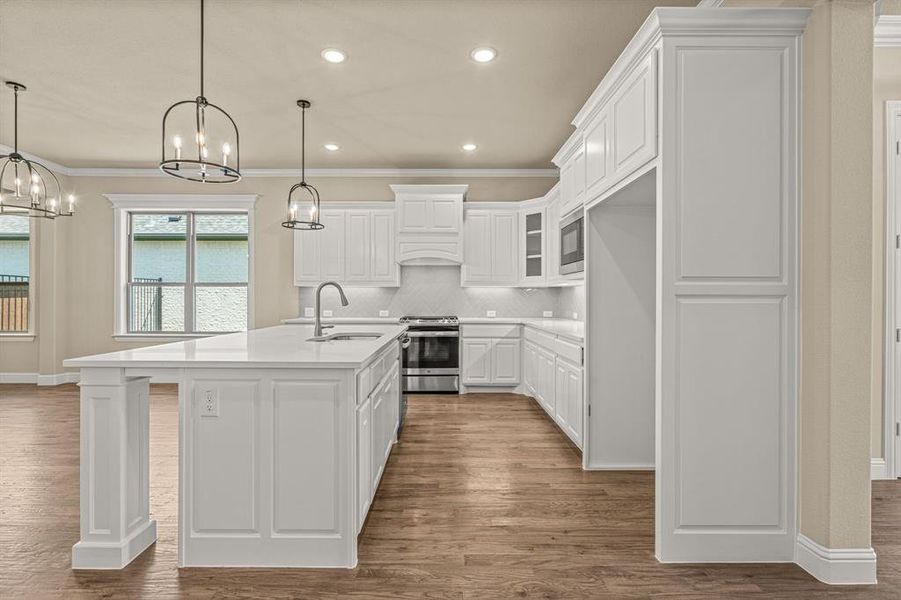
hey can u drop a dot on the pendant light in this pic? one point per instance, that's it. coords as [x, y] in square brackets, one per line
[204, 139]
[28, 188]
[303, 208]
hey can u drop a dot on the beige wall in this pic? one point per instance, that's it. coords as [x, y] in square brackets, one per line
[80, 250]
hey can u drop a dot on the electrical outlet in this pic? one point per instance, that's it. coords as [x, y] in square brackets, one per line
[383, 313]
[547, 314]
[492, 313]
[209, 404]
[576, 316]
[308, 312]
[327, 313]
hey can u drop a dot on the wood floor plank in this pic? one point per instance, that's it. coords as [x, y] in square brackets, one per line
[482, 498]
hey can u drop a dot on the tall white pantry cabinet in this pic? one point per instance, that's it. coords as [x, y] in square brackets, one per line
[690, 150]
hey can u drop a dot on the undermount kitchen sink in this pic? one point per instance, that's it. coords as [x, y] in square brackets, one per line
[349, 336]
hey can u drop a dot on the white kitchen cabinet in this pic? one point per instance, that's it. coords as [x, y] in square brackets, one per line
[331, 250]
[429, 223]
[533, 245]
[358, 224]
[530, 367]
[553, 375]
[476, 361]
[633, 115]
[355, 248]
[572, 175]
[364, 460]
[491, 244]
[598, 158]
[568, 395]
[492, 354]
[546, 381]
[505, 361]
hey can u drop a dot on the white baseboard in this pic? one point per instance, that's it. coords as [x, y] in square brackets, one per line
[846, 566]
[59, 378]
[877, 469]
[35, 378]
[18, 377]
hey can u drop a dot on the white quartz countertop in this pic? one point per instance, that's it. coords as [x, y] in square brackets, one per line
[282, 346]
[568, 328]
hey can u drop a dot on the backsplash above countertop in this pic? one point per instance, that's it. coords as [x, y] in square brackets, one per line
[436, 290]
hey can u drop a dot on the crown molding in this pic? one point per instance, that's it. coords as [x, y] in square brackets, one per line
[887, 32]
[295, 173]
[710, 3]
[183, 201]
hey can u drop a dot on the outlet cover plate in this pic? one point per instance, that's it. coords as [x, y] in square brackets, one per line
[492, 313]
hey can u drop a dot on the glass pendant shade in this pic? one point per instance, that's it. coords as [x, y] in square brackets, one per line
[303, 198]
[200, 140]
[27, 187]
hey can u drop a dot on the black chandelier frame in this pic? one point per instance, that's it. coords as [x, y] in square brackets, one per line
[32, 207]
[314, 223]
[201, 169]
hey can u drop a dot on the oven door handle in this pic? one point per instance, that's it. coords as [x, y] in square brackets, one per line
[421, 334]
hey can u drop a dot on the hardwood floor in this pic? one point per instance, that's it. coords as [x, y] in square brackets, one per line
[482, 498]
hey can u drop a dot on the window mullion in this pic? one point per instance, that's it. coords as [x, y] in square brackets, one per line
[189, 275]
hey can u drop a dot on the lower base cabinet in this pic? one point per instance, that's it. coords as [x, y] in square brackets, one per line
[378, 415]
[556, 383]
[491, 355]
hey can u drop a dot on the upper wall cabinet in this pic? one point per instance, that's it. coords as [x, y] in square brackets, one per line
[616, 133]
[633, 118]
[429, 223]
[355, 248]
[491, 247]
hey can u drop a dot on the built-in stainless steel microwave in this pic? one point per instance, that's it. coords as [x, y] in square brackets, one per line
[572, 243]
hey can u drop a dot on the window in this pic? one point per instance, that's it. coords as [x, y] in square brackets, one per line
[15, 274]
[187, 272]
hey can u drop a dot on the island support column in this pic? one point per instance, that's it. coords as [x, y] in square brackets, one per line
[115, 470]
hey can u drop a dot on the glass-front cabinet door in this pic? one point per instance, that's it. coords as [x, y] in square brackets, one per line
[534, 247]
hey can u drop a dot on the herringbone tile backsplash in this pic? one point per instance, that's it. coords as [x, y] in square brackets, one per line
[436, 291]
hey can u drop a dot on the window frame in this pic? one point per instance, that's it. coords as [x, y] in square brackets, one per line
[124, 205]
[30, 334]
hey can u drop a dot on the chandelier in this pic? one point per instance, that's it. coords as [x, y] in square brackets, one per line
[303, 208]
[204, 143]
[28, 188]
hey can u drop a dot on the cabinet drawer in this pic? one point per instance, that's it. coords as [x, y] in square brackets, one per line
[540, 338]
[492, 330]
[569, 351]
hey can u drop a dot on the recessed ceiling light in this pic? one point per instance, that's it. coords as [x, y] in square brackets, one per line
[483, 54]
[469, 147]
[333, 55]
[332, 147]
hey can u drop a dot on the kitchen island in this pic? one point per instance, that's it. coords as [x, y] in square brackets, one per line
[282, 443]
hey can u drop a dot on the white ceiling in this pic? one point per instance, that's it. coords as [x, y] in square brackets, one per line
[102, 72]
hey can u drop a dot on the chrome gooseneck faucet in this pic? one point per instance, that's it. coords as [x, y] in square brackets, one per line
[317, 330]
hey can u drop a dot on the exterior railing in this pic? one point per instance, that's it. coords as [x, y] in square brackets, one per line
[146, 305]
[14, 303]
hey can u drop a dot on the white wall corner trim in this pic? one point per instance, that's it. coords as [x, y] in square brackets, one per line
[890, 347]
[847, 566]
[877, 469]
[887, 32]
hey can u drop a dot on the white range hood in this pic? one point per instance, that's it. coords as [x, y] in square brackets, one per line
[429, 224]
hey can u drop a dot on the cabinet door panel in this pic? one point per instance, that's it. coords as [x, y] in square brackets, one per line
[414, 215]
[477, 361]
[358, 247]
[445, 215]
[597, 163]
[505, 361]
[634, 120]
[476, 248]
[383, 264]
[364, 460]
[332, 245]
[504, 246]
[574, 403]
[561, 393]
[578, 178]
[306, 257]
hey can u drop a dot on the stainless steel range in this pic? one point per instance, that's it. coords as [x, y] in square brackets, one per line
[431, 361]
